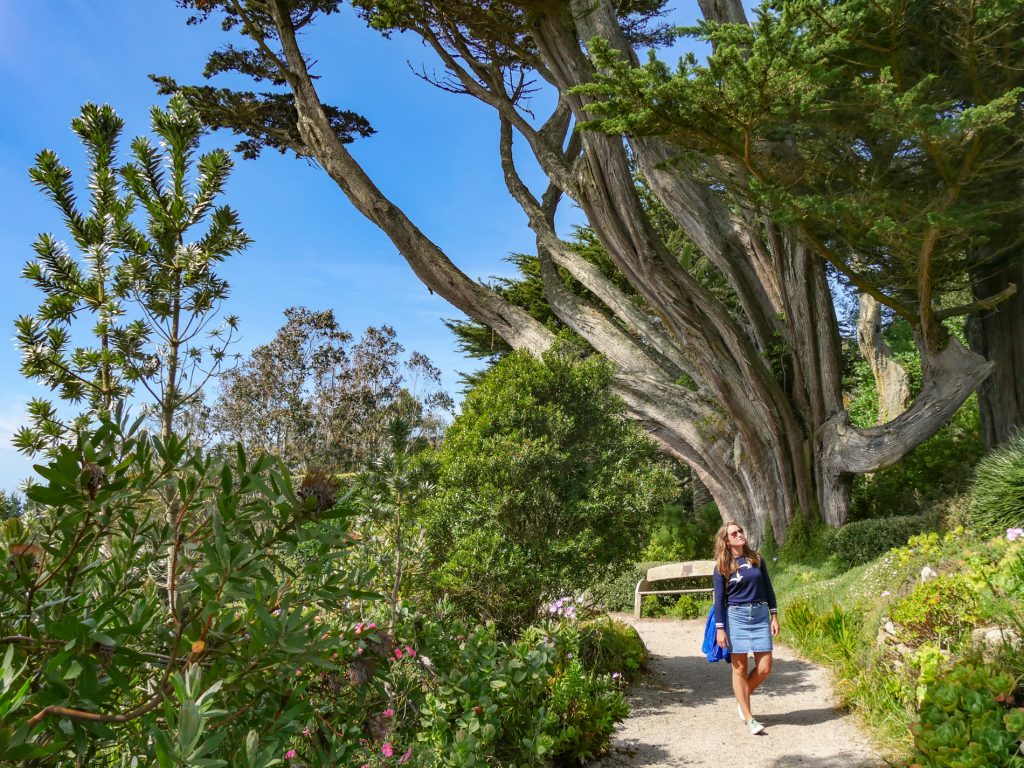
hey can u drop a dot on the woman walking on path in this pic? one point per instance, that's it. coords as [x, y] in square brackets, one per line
[746, 614]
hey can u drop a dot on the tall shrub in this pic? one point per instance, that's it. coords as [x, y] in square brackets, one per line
[997, 496]
[103, 664]
[543, 489]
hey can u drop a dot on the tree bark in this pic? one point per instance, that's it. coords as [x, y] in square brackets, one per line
[998, 335]
[891, 380]
[761, 421]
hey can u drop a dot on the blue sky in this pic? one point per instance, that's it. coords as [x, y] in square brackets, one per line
[434, 153]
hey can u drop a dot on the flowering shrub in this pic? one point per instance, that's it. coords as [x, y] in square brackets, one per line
[148, 562]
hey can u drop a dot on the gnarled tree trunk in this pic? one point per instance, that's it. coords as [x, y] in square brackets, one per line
[750, 399]
[891, 380]
[998, 335]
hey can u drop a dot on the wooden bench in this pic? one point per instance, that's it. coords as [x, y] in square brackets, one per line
[694, 569]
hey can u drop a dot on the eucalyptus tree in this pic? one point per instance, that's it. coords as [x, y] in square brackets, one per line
[317, 397]
[153, 295]
[748, 392]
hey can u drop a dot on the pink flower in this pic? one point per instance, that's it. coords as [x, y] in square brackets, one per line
[387, 750]
[291, 754]
[405, 758]
[359, 628]
[371, 625]
[389, 712]
[359, 651]
[306, 732]
[409, 651]
[398, 653]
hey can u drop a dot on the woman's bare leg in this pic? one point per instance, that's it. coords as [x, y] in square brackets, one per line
[762, 668]
[740, 684]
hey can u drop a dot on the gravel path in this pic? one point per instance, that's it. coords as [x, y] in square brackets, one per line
[684, 713]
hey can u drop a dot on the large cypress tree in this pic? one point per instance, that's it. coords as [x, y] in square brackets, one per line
[747, 391]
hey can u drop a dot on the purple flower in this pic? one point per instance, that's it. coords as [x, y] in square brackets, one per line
[1012, 534]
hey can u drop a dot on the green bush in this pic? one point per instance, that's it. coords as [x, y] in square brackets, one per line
[543, 486]
[616, 592]
[587, 711]
[938, 610]
[997, 495]
[157, 613]
[690, 607]
[612, 647]
[806, 541]
[971, 718]
[677, 535]
[529, 703]
[864, 540]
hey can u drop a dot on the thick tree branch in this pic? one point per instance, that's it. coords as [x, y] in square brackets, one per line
[977, 306]
[428, 261]
[949, 376]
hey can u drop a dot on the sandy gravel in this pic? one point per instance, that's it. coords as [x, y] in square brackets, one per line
[684, 713]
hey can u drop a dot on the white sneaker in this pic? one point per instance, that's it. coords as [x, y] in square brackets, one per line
[755, 727]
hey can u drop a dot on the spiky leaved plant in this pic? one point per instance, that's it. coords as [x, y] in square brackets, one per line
[997, 496]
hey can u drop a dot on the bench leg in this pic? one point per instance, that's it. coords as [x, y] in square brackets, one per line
[637, 602]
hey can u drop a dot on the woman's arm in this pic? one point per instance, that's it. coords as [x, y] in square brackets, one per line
[718, 581]
[769, 590]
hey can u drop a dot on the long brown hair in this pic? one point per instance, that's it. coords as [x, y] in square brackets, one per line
[724, 560]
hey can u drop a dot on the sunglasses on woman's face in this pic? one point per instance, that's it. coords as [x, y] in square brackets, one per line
[736, 534]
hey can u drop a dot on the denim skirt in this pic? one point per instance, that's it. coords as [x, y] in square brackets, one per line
[750, 628]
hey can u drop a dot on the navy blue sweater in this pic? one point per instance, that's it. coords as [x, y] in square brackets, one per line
[750, 584]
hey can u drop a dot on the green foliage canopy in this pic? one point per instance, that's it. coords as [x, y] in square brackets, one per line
[543, 488]
[889, 133]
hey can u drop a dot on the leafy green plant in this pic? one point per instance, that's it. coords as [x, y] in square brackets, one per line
[971, 718]
[937, 610]
[611, 647]
[587, 708]
[677, 535]
[997, 495]
[147, 561]
[806, 541]
[690, 607]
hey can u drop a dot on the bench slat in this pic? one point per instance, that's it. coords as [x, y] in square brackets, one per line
[673, 591]
[692, 569]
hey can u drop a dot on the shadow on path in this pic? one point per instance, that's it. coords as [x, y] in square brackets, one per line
[684, 714]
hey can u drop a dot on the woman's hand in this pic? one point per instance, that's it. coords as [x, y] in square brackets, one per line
[722, 639]
[775, 624]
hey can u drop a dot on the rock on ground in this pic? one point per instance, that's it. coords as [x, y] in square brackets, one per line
[684, 713]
